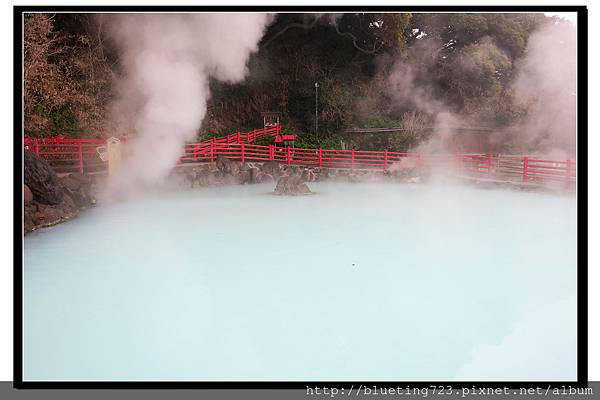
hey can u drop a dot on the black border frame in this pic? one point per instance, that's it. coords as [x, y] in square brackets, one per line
[582, 204]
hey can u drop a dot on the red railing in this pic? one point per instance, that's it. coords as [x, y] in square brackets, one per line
[67, 154]
[246, 137]
[82, 155]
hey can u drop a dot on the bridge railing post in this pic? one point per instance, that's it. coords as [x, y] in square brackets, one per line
[320, 157]
[385, 160]
[195, 152]
[271, 152]
[489, 164]
[212, 151]
[242, 148]
[525, 168]
[289, 155]
[352, 163]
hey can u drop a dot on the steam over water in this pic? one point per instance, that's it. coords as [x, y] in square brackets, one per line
[359, 282]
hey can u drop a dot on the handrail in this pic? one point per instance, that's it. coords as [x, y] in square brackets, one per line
[81, 153]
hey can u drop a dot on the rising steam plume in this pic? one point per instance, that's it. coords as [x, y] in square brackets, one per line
[167, 61]
[544, 83]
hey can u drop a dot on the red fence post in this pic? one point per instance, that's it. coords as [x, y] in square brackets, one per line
[569, 168]
[489, 164]
[80, 150]
[320, 157]
[289, 155]
[242, 152]
[352, 164]
[36, 144]
[385, 159]
[238, 136]
[271, 152]
[212, 151]
[195, 152]
[525, 168]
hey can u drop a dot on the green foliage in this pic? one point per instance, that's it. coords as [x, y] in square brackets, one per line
[478, 71]
[64, 120]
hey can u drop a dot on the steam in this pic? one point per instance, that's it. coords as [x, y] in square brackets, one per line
[547, 81]
[167, 61]
[542, 82]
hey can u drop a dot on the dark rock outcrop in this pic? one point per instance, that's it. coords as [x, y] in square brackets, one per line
[42, 206]
[291, 185]
[41, 180]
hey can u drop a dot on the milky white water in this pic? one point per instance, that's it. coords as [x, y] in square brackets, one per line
[358, 282]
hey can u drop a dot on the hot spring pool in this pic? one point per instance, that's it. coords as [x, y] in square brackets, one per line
[358, 282]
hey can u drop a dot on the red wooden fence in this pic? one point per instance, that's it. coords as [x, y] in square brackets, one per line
[82, 155]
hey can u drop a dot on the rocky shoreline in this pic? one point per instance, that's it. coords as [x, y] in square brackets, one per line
[228, 172]
[50, 199]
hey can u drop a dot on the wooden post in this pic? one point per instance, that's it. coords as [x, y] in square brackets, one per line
[525, 167]
[320, 157]
[238, 136]
[80, 157]
[271, 152]
[385, 159]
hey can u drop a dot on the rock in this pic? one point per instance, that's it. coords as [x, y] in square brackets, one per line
[308, 175]
[71, 183]
[265, 177]
[27, 195]
[245, 176]
[28, 222]
[271, 168]
[227, 166]
[291, 185]
[82, 178]
[50, 199]
[41, 179]
[74, 199]
[48, 215]
[251, 174]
